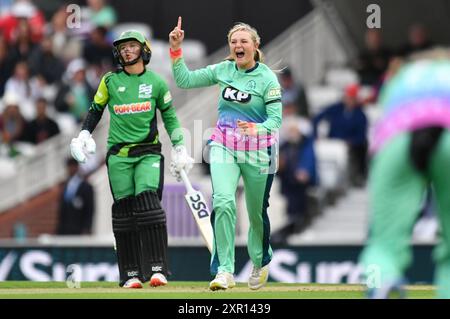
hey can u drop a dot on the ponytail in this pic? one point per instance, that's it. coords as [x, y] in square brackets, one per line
[259, 56]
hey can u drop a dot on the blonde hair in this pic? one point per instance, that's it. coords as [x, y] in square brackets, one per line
[241, 26]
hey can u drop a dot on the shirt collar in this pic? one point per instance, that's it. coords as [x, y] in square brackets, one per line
[249, 70]
[129, 74]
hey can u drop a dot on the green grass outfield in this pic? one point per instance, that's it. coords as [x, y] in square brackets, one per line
[190, 290]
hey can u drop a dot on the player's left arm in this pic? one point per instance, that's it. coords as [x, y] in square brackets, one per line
[84, 141]
[169, 116]
[272, 99]
[97, 107]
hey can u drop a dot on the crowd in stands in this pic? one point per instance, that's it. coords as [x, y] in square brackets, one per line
[374, 60]
[48, 69]
[344, 120]
[76, 204]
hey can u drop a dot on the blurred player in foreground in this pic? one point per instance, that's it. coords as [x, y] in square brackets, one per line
[134, 160]
[411, 149]
[243, 144]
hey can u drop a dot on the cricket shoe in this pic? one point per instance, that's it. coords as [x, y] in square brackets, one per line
[223, 280]
[133, 283]
[157, 280]
[258, 277]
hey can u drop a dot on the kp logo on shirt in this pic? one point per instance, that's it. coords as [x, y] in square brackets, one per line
[145, 91]
[234, 95]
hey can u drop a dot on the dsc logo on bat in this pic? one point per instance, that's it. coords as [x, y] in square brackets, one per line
[199, 206]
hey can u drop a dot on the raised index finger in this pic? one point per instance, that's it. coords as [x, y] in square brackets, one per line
[179, 23]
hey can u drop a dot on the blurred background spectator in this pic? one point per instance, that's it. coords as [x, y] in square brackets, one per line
[97, 48]
[22, 44]
[346, 121]
[26, 88]
[418, 40]
[100, 14]
[6, 64]
[42, 127]
[74, 94]
[76, 203]
[98, 55]
[24, 20]
[293, 98]
[44, 63]
[373, 61]
[66, 45]
[297, 172]
[12, 123]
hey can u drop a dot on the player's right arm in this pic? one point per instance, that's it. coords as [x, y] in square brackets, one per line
[98, 106]
[187, 79]
[184, 77]
[84, 143]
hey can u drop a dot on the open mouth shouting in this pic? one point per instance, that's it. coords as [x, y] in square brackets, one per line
[240, 54]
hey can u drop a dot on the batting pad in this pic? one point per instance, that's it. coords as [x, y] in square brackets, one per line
[151, 227]
[127, 240]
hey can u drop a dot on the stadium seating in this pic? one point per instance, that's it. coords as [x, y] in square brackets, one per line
[321, 96]
[341, 77]
[160, 62]
[194, 53]
[332, 162]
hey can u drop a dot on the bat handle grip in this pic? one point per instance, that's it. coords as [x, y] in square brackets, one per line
[186, 181]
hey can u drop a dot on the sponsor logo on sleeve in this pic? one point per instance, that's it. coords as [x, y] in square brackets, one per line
[274, 93]
[167, 97]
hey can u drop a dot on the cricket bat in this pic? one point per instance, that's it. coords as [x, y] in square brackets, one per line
[199, 209]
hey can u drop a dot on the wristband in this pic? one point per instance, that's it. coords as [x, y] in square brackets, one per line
[175, 54]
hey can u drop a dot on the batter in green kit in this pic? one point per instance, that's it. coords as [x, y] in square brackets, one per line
[135, 164]
[242, 145]
[136, 167]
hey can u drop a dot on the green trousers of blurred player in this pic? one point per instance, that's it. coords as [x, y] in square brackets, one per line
[130, 176]
[256, 169]
[397, 190]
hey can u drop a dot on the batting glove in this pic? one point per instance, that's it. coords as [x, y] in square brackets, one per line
[180, 160]
[81, 145]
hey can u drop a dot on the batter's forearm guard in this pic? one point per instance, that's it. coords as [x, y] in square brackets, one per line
[92, 119]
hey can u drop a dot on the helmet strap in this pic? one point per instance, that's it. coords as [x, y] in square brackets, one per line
[123, 63]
